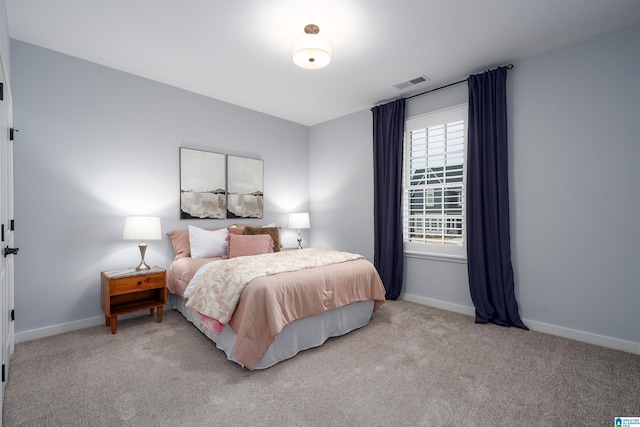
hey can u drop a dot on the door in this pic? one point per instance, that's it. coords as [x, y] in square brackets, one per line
[6, 221]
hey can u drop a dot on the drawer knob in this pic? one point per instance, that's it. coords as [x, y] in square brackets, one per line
[139, 282]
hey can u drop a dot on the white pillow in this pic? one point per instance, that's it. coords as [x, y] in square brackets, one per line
[208, 244]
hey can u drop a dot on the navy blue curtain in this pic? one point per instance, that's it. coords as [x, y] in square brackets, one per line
[488, 238]
[388, 134]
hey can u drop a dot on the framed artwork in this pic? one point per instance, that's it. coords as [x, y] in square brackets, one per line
[244, 187]
[202, 184]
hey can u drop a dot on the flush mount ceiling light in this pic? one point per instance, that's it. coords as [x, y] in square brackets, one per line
[311, 51]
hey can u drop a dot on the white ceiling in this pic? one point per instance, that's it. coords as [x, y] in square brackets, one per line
[239, 51]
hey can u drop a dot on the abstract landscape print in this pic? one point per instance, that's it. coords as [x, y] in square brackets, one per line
[245, 187]
[202, 184]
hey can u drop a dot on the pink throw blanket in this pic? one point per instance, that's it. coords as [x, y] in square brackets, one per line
[211, 324]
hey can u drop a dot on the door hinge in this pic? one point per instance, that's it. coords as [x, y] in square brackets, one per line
[12, 225]
[12, 316]
[3, 372]
[11, 131]
[3, 232]
[1, 91]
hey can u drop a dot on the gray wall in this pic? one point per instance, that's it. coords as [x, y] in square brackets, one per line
[574, 167]
[574, 172]
[341, 184]
[96, 145]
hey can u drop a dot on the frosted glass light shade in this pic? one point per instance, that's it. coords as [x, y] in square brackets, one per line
[299, 220]
[311, 51]
[142, 228]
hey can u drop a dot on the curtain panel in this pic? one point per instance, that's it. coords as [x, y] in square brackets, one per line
[388, 136]
[491, 280]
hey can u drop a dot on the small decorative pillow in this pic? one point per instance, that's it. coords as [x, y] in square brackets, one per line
[208, 244]
[236, 230]
[242, 245]
[274, 232]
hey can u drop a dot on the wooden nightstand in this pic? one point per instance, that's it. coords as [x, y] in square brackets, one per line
[127, 291]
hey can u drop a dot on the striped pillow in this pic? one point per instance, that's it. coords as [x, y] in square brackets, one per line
[245, 245]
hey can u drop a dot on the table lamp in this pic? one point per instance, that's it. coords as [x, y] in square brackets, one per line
[142, 228]
[299, 221]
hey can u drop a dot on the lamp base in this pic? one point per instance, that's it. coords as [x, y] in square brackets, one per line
[143, 265]
[299, 240]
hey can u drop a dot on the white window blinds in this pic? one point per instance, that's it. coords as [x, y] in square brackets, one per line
[433, 182]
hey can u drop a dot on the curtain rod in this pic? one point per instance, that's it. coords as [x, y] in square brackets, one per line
[509, 66]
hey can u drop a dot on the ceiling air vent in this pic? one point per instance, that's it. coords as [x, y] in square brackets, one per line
[412, 82]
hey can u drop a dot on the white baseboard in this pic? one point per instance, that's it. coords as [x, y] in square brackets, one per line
[588, 337]
[68, 327]
[456, 308]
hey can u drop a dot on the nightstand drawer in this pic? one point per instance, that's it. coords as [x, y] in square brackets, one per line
[136, 283]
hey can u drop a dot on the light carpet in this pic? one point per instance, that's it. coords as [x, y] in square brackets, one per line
[413, 365]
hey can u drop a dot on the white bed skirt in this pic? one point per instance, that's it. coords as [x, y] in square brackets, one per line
[300, 335]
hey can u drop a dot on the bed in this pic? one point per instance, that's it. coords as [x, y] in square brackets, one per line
[288, 301]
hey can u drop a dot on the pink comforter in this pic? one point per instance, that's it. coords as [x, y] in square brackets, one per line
[216, 292]
[269, 303]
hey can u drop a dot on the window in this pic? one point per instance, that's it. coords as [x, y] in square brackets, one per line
[434, 184]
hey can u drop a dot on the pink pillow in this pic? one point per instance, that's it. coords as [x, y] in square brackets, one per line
[236, 230]
[274, 232]
[241, 245]
[180, 242]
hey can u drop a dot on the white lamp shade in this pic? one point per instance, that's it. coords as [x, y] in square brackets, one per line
[142, 228]
[311, 51]
[299, 220]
